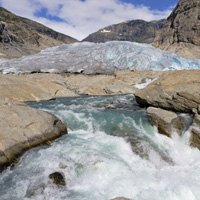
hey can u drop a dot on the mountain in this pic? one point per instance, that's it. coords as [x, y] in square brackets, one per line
[134, 31]
[20, 36]
[181, 32]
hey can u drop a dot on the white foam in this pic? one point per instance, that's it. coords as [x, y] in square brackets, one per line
[143, 85]
[100, 166]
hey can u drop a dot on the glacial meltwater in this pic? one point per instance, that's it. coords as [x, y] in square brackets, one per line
[110, 150]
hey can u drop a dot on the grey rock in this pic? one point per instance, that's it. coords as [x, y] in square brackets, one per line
[173, 90]
[166, 121]
[23, 127]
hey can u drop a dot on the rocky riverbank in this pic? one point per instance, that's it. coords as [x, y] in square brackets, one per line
[167, 92]
[42, 86]
[22, 127]
[177, 91]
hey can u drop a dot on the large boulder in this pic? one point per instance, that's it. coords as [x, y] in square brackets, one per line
[173, 90]
[180, 34]
[167, 122]
[23, 127]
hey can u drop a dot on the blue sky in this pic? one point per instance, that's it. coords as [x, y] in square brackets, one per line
[154, 4]
[79, 18]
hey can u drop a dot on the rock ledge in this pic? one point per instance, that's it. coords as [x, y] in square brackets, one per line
[23, 127]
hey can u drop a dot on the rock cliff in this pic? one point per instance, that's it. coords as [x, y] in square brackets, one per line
[181, 32]
[134, 31]
[20, 36]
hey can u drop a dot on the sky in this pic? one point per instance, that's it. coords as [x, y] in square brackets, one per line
[79, 18]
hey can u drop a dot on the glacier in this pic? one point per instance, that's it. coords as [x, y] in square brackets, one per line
[91, 58]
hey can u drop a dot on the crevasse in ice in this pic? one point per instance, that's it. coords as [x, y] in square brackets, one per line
[98, 58]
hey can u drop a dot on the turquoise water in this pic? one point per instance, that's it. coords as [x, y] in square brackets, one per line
[110, 150]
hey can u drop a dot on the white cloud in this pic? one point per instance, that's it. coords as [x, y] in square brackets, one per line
[83, 17]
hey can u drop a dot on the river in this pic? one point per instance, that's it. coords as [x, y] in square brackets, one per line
[110, 150]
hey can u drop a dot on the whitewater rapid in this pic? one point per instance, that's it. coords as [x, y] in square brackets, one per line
[111, 150]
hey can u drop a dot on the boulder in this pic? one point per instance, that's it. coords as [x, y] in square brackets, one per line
[173, 90]
[195, 132]
[180, 34]
[166, 121]
[121, 198]
[58, 178]
[23, 127]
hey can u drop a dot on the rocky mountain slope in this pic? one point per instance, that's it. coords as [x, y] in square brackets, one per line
[181, 32]
[20, 36]
[134, 31]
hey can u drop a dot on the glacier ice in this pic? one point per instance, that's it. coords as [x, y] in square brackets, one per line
[106, 57]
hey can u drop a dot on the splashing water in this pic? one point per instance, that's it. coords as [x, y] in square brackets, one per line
[111, 150]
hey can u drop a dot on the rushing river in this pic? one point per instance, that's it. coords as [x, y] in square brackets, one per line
[110, 150]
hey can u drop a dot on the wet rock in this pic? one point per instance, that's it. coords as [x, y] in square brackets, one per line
[195, 132]
[121, 198]
[23, 127]
[166, 121]
[58, 178]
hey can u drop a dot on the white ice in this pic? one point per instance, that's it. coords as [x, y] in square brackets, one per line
[99, 58]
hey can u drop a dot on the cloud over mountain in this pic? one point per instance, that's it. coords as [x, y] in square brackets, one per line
[78, 18]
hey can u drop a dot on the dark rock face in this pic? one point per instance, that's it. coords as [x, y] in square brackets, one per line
[20, 36]
[57, 178]
[181, 32]
[2, 27]
[134, 31]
